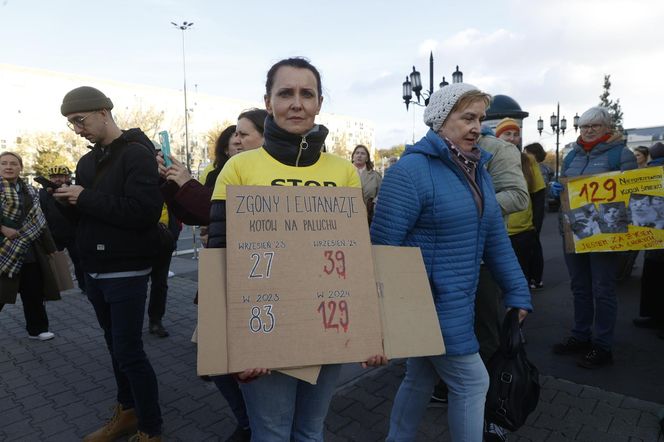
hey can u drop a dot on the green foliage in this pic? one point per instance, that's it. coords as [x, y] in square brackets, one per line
[612, 106]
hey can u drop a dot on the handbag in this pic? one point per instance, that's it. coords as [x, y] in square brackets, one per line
[514, 381]
[59, 263]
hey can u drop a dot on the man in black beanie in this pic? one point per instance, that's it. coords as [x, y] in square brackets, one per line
[116, 204]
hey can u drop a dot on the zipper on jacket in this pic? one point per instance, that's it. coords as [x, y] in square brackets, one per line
[303, 146]
[585, 165]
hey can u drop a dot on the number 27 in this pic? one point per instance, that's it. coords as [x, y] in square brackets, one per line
[256, 258]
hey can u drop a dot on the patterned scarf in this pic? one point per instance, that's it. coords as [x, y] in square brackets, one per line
[29, 226]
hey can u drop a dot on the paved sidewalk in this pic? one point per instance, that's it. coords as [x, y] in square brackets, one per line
[62, 389]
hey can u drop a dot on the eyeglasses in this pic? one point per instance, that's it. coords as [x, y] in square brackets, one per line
[591, 126]
[79, 122]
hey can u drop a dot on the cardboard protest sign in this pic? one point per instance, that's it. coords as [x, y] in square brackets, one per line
[409, 321]
[300, 279]
[614, 211]
[210, 334]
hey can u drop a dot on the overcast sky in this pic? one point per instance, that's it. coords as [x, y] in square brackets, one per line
[538, 52]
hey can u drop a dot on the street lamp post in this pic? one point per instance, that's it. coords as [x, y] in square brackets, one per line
[414, 84]
[183, 27]
[558, 126]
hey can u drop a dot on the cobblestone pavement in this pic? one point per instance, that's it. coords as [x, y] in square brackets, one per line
[60, 390]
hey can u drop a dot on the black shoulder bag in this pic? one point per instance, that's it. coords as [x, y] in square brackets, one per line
[514, 381]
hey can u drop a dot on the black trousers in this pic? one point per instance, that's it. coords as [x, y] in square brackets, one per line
[525, 245]
[31, 288]
[159, 284]
[652, 294]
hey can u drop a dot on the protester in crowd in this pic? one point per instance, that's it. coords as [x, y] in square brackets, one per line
[439, 197]
[25, 243]
[538, 152]
[191, 201]
[508, 129]
[641, 154]
[63, 231]
[521, 228]
[249, 131]
[512, 196]
[116, 203]
[593, 275]
[169, 231]
[292, 150]
[221, 154]
[537, 203]
[651, 309]
[391, 161]
[369, 178]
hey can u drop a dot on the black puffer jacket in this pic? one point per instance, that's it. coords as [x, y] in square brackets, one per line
[118, 212]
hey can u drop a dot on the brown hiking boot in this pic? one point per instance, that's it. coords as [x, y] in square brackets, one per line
[144, 437]
[122, 423]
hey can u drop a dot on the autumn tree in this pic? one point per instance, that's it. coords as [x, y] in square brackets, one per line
[42, 150]
[150, 120]
[212, 134]
[612, 106]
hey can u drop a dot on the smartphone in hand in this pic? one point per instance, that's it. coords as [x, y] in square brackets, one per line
[165, 147]
[46, 183]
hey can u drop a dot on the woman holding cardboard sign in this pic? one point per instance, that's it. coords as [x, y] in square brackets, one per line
[281, 407]
[598, 149]
[25, 242]
[439, 197]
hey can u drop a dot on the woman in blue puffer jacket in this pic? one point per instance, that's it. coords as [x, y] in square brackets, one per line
[593, 275]
[439, 197]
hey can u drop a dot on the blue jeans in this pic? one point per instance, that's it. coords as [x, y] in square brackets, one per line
[467, 381]
[282, 408]
[230, 390]
[593, 284]
[120, 306]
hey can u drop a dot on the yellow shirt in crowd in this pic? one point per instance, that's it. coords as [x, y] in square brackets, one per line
[258, 168]
[522, 221]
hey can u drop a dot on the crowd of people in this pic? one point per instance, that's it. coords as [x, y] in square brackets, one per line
[472, 199]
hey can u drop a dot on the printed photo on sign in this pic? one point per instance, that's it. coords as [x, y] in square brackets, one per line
[642, 213]
[613, 217]
[584, 221]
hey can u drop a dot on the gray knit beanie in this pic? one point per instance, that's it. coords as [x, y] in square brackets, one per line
[442, 101]
[84, 99]
[656, 150]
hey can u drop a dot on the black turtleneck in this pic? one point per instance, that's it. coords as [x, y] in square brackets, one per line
[292, 149]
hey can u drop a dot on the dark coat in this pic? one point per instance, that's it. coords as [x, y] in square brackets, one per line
[118, 211]
[189, 203]
[43, 246]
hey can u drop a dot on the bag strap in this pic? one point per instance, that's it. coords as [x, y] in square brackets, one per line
[510, 337]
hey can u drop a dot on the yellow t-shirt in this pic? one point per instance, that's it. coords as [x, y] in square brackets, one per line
[522, 221]
[206, 171]
[538, 179]
[257, 168]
